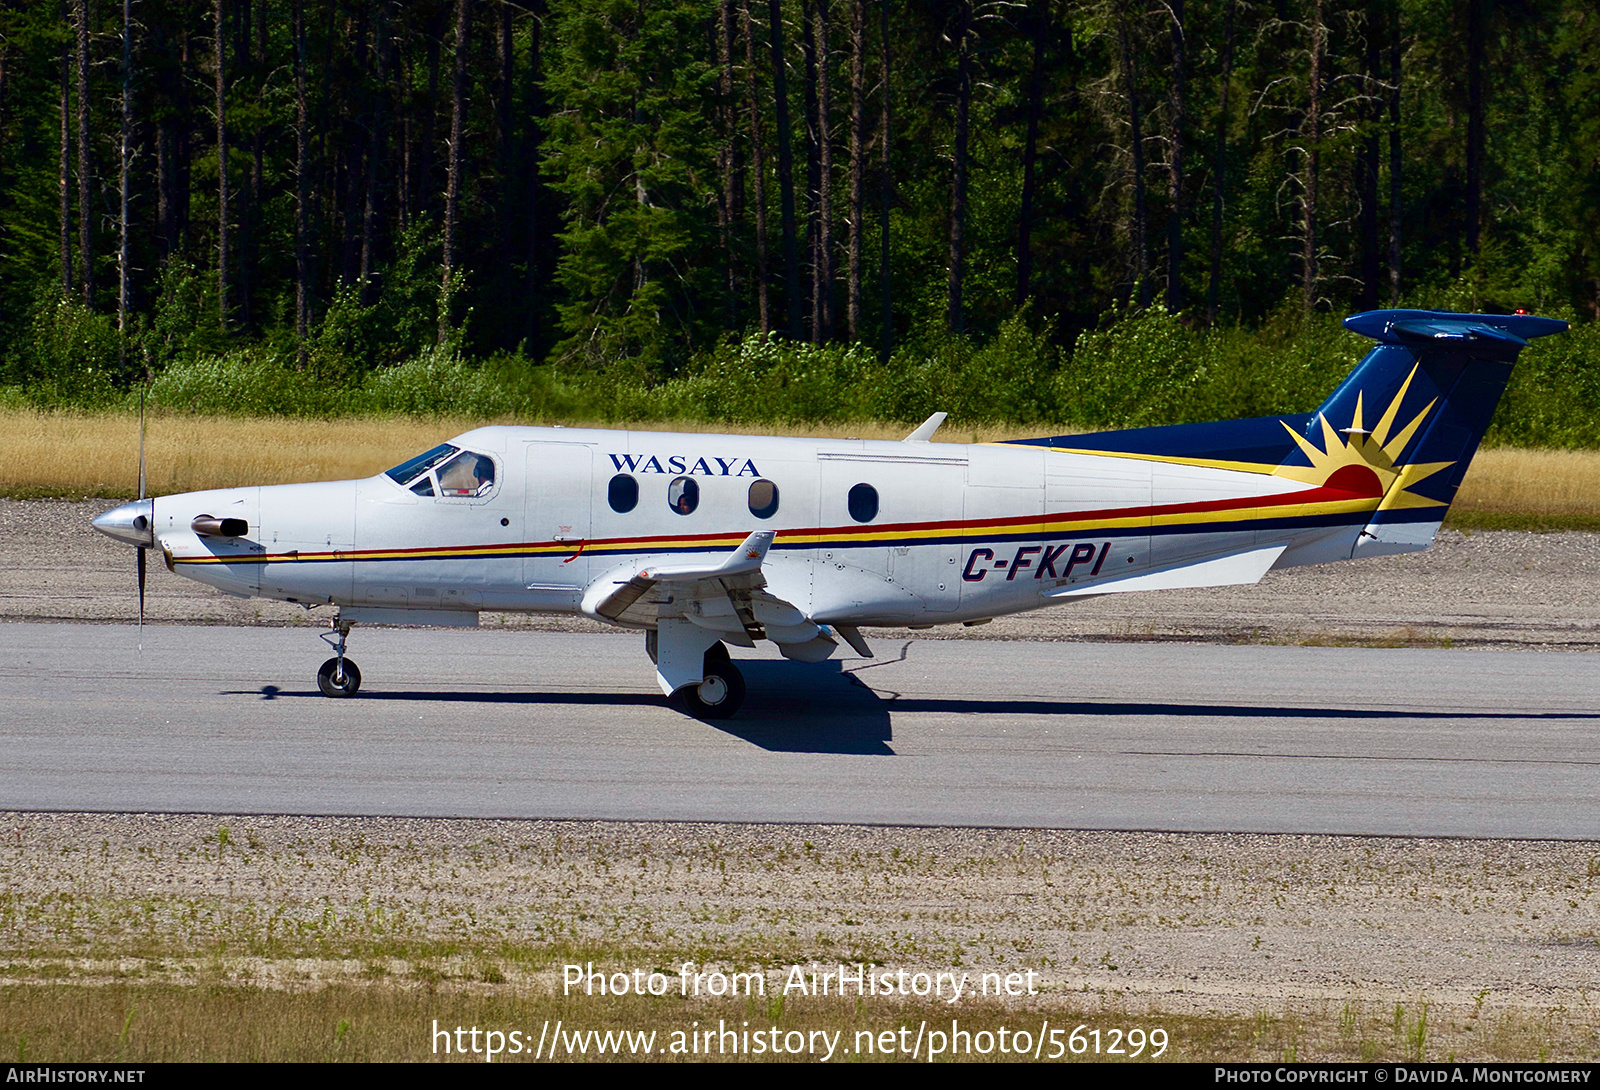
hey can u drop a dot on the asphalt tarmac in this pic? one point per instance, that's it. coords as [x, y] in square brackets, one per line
[1168, 736]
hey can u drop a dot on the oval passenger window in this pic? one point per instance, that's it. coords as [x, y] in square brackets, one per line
[863, 503]
[683, 495]
[763, 499]
[623, 493]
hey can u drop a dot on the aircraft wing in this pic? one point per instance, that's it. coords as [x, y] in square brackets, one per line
[726, 595]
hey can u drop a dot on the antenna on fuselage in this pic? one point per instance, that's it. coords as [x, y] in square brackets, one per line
[925, 430]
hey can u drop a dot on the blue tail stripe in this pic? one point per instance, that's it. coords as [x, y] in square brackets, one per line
[1260, 440]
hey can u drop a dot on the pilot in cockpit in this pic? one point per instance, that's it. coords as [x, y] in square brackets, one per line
[467, 475]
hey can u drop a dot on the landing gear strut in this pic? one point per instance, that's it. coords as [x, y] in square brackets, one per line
[721, 693]
[338, 676]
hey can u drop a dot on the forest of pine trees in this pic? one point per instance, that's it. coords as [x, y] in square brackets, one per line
[605, 183]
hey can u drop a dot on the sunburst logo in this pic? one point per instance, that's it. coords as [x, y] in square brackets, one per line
[1363, 464]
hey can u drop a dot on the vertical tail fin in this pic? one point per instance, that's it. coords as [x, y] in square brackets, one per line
[1406, 422]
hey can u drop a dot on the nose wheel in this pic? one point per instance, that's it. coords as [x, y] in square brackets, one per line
[338, 676]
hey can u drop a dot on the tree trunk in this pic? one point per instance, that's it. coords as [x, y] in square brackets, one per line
[222, 166]
[955, 318]
[85, 165]
[407, 139]
[505, 58]
[352, 147]
[423, 193]
[452, 190]
[728, 161]
[822, 284]
[1219, 170]
[1137, 233]
[885, 185]
[1312, 135]
[65, 176]
[377, 157]
[858, 58]
[1475, 122]
[538, 239]
[808, 49]
[124, 157]
[1396, 198]
[5, 68]
[248, 247]
[302, 256]
[758, 170]
[1039, 24]
[1368, 155]
[791, 246]
[169, 95]
[1176, 298]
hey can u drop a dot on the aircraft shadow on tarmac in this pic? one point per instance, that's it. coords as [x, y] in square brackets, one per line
[795, 707]
[791, 707]
[1206, 711]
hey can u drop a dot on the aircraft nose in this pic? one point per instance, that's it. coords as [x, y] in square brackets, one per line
[131, 523]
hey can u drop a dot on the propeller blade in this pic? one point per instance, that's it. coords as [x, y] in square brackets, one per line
[142, 560]
[141, 453]
[141, 551]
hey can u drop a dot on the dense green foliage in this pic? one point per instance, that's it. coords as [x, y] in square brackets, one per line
[1138, 368]
[609, 221]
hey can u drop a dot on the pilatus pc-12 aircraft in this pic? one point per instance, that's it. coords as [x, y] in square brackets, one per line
[703, 542]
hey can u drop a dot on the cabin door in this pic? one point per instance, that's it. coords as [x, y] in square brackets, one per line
[557, 515]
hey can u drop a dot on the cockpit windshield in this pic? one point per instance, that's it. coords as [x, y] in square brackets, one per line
[407, 471]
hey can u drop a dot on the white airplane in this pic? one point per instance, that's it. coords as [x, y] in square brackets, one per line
[706, 541]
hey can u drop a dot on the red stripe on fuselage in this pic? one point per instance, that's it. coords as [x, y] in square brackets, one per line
[970, 530]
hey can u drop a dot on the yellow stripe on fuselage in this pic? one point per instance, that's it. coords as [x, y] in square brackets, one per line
[1241, 512]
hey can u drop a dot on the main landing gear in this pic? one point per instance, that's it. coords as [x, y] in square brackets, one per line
[721, 693]
[338, 676]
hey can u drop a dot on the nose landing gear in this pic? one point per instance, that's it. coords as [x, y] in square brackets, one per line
[338, 676]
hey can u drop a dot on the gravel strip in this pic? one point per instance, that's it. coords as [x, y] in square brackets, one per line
[1185, 923]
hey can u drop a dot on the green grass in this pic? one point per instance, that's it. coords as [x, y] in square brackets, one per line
[396, 1021]
[1538, 522]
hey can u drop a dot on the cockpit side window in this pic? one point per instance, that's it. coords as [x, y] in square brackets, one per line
[467, 474]
[407, 472]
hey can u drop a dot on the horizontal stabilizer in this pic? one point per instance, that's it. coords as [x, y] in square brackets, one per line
[1420, 328]
[1225, 571]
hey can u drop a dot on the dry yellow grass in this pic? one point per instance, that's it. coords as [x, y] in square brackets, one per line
[74, 454]
[82, 454]
[1545, 482]
[77, 454]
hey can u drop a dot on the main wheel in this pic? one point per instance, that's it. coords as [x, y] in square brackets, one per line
[333, 682]
[719, 695]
